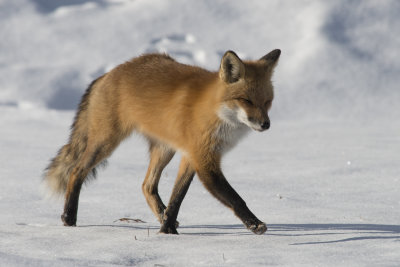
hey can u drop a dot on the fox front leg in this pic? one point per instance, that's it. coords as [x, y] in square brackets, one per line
[219, 187]
[182, 183]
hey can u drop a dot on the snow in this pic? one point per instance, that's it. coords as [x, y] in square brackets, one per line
[325, 177]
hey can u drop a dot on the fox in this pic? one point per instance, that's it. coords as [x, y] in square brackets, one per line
[181, 108]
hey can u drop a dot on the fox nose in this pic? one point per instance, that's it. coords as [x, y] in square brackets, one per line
[265, 125]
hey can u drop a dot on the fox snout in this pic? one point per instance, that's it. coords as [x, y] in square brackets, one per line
[261, 125]
[265, 125]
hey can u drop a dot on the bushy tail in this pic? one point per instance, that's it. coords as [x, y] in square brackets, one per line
[60, 168]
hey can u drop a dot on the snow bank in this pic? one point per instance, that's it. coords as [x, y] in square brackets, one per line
[338, 58]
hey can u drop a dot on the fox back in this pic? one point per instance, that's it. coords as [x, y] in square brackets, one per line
[181, 105]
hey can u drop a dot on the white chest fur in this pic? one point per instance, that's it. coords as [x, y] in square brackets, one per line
[231, 129]
[229, 136]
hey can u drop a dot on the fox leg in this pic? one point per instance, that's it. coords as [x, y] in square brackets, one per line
[215, 182]
[182, 183]
[91, 157]
[160, 156]
[74, 186]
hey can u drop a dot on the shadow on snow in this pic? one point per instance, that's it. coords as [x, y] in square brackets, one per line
[357, 232]
[360, 232]
[46, 6]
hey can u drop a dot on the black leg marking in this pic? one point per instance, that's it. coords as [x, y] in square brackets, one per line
[185, 177]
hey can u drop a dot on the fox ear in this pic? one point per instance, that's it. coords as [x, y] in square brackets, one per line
[271, 58]
[232, 68]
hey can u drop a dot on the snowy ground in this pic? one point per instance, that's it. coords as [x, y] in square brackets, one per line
[329, 192]
[325, 178]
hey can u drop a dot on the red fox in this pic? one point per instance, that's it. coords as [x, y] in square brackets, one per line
[177, 107]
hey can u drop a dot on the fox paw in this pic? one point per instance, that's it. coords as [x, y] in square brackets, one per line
[68, 220]
[168, 229]
[258, 228]
[164, 217]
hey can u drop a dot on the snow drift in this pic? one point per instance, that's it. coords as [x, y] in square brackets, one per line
[339, 59]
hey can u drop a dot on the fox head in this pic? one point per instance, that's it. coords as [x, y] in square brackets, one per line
[248, 90]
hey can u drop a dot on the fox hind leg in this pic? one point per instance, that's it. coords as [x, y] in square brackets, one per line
[92, 156]
[160, 156]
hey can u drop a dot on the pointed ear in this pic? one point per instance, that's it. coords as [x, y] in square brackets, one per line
[271, 58]
[232, 68]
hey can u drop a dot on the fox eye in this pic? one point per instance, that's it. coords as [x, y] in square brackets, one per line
[247, 101]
